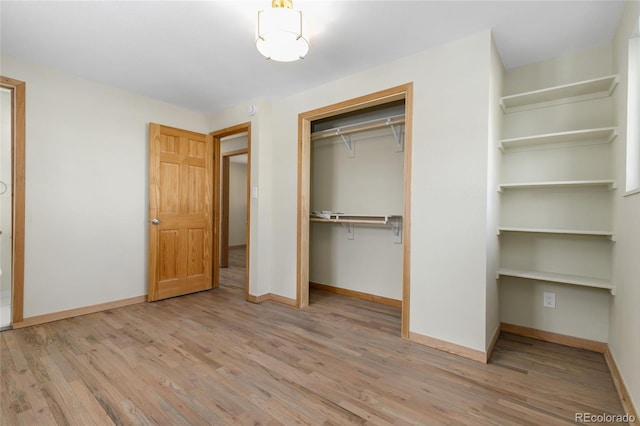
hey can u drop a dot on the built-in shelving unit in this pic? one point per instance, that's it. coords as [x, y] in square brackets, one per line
[601, 135]
[574, 92]
[559, 278]
[597, 183]
[558, 159]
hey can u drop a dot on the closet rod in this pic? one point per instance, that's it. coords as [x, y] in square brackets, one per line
[359, 127]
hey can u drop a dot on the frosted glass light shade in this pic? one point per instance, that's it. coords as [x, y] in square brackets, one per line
[280, 35]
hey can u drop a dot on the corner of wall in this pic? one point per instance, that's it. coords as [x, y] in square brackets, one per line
[492, 313]
[624, 315]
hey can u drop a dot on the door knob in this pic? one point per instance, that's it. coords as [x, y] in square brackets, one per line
[155, 221]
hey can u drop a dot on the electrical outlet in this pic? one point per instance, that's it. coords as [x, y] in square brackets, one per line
[549, 300]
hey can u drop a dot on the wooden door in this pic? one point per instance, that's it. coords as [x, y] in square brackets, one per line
[180, 212]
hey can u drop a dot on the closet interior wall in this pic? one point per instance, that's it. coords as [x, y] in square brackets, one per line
[367, 182]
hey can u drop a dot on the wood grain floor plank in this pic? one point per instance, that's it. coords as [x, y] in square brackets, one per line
[234, 274]
[211, 359]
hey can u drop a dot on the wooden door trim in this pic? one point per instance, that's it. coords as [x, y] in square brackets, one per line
[304, 190]
[217, 139]
[224, 209]
[224, 214]
[18, 89]
[152, 264]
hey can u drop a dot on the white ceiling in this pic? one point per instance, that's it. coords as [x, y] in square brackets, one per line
[201, 55]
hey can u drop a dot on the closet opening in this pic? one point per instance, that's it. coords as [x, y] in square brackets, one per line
[354, 180]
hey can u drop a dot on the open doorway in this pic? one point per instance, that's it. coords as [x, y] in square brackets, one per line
[12, 189]
[232, 211]
[6, 225]
[233, 229]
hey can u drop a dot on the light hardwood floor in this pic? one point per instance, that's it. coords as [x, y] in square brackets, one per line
[233, 276]
[213, 359]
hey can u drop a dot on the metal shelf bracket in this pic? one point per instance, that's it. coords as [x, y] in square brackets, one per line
[398, 133]
[349, 228]
[396, 227]
[348, 143]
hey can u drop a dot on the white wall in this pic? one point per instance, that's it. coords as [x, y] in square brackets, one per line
[578, 66]
[233, 143]
[449, 194]
[492, 300]
[371, 182]
[624, 338]
[237, 203]
[86, 188]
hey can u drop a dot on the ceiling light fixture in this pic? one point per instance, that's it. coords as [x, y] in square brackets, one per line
[280, 33]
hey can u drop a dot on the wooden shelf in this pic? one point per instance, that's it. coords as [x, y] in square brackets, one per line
[583, 90]
[601, 135]
[603, 183]
[559, 278]
[607, 234]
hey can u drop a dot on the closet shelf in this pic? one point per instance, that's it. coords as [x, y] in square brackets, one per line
[559, 278]
[356, 219]
[393, 122]
[600, 135]
[603, 183]
[575, 92]
[359, 127]
[593, 233]
[349, 220]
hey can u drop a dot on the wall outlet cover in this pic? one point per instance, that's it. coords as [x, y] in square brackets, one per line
[549, 300]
